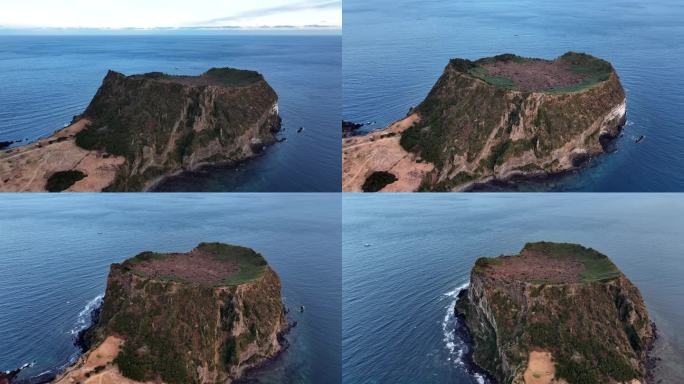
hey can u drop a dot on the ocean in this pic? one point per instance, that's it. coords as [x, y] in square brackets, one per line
[56, 251]
[46, 80]
[406, 256]
[395, 50]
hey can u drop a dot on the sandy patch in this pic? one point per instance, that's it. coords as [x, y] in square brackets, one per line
[84, 371]
[27, 168]
[381, 151]
[540, 368]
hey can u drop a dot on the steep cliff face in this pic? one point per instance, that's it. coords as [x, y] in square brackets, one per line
[200, 317]
[139, 129]
[163, 124]
[556, 313]
[504, 116]
[497, 118]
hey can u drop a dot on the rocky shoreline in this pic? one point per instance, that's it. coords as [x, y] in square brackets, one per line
[464, 334]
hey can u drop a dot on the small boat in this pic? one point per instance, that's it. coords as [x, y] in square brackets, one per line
[638, 139]
[367, 245]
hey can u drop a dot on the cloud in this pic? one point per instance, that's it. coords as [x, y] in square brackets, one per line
[299, 6]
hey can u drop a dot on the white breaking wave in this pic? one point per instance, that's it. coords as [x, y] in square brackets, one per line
[456, 347]
[449, 324]
[84, 317]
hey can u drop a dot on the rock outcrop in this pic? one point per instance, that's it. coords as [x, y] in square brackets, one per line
[497, 119]
[556, 313]
[199, 317]
[139, 129]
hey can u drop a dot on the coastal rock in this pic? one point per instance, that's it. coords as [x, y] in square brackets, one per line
[496, 119]
[349, 128]
[139, 129]
[556, 313]
[204, 316]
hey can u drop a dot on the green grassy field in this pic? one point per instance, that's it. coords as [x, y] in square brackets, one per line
[235, 77]
[595, 71]
[499, 81]
[597, 266]
[59, 181]
[252, 264]
[378, 180]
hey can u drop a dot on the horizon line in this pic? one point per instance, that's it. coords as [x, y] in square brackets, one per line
[313, 29]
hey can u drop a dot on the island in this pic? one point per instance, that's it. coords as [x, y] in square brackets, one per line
[495, 120]
[205, 316]
[556, 313]
[140, 129]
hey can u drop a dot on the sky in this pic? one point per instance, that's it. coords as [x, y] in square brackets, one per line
[119, 14]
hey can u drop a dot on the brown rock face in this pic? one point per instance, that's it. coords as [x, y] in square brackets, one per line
[178, 325]
[140, 129]
[561, 308]
[165, 124]
[496, 119]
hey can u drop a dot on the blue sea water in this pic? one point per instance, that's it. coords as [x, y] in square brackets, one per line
[46, 80]
[395, 50]
[56, 251]
[406, 256]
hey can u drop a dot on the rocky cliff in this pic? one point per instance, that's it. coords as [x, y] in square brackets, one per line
[499, 118]
[199, 317]
[556, 313]
[139, 129]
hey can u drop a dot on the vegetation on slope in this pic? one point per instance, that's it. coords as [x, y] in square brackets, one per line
[378, 180]
[596, 329]
[60, 181]
[171, 329]
[151, 120]
[234, 77]
[462, 115]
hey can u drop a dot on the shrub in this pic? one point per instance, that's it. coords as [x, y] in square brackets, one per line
[378, 180]
[59, 181]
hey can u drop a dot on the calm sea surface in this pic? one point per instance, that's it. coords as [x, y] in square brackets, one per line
[394, 51]
[46, 80]
[406, 256]
[56, 251]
